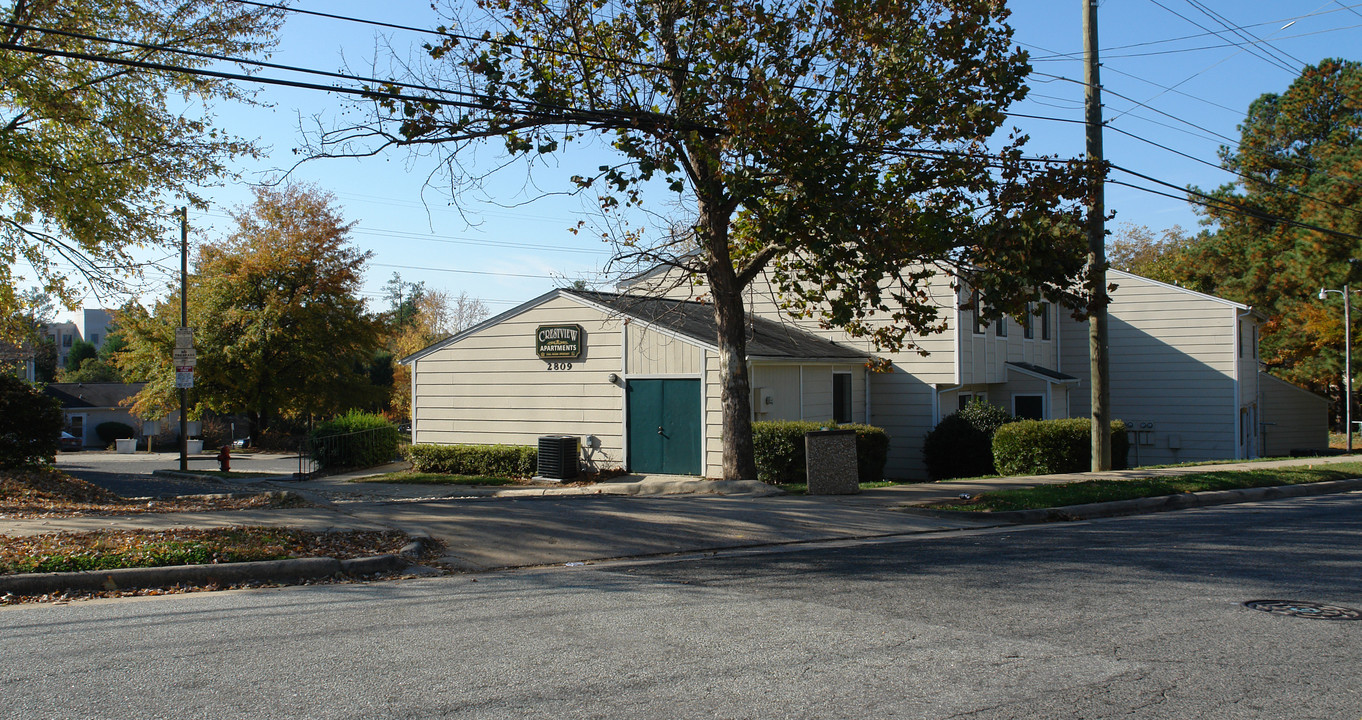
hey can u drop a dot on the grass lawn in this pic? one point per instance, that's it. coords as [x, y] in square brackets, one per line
[421, 478]
[803, 488]
[109, 549]
[1091, 491]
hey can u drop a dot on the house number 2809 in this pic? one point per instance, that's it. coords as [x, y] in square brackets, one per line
[560, 366]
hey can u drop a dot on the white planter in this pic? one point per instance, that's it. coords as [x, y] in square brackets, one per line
[126, 446]
[193, 447]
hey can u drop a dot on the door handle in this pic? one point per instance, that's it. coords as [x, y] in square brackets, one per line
[659, 429]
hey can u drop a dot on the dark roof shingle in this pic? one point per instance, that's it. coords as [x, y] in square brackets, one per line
[765, 338]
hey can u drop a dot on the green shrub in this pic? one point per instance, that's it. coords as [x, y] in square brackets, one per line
[355, 439]
[30, 424]
[1044, 447]
[494, 460]
[961, 445]
[779, 449]
[113, 430]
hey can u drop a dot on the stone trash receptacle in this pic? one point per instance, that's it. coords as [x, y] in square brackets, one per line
[831, 462]
[125, 446]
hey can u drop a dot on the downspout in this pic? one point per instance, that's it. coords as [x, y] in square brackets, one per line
[414, 365]
[1239, 445]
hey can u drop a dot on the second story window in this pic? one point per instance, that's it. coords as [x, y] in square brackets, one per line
[978, 312]
[1001, 328]
[1045, 321]
[1028, 324]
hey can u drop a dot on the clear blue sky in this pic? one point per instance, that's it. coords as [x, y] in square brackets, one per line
[1148, 46]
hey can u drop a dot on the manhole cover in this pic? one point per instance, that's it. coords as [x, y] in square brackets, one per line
[1305, 609]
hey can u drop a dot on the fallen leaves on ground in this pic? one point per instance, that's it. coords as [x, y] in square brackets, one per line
[108, 549]
[49, 492]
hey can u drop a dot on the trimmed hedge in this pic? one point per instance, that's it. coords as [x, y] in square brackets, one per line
[30, 424]
[1045, 447]
[355, 439]
[114, 430]
[517, 461]
[779, 449]
[961, 445]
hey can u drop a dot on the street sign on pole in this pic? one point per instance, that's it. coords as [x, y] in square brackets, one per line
[184, 357]
[184, 380]
[184, 337]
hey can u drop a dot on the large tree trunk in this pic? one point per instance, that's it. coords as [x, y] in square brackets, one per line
[739, 458]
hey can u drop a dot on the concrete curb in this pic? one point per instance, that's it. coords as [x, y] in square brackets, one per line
[279, 495]
[1162, 503]
[177, 475]
[278, 571]
[748, 488]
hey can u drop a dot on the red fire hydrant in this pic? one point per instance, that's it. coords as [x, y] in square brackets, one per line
[224, 459]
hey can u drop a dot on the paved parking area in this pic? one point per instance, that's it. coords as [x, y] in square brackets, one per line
[130, 475]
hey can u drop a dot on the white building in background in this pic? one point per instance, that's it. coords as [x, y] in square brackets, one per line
[91, 325]
[94, 325]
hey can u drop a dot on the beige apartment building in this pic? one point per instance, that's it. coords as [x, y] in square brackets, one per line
[635, 377]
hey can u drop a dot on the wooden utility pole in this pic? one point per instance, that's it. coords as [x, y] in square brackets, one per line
[1097, 250]
[184, 322]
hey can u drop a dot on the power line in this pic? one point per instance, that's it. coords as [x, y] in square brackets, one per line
[1229, 206]
[1265, 57]
[385, 232]
[1107, 52]
[1246, 176]
[478, 101]
[1244, 34]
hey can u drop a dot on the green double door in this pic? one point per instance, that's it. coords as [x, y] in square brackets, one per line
[664, 426]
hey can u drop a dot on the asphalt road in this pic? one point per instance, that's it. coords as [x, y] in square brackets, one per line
[1133, 617]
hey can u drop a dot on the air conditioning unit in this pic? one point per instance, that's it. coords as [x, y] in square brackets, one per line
[558, 456]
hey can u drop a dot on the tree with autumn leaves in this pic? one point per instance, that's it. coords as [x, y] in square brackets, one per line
[97, 141]
[841, 146]
[280, 329]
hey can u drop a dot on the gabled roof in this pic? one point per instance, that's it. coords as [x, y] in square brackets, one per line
[92, 395]
[693, 321]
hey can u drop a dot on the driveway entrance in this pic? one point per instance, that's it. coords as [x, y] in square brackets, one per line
[664, 426]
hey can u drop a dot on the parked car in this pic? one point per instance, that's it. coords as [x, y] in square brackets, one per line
[70, 442]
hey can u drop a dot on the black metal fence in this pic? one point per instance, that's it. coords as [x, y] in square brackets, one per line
[362, 448]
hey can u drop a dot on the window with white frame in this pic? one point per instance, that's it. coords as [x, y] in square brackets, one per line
[964, 399]
[978, 312]
[1029, 407]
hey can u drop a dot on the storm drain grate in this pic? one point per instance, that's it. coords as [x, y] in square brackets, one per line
[1305, 609]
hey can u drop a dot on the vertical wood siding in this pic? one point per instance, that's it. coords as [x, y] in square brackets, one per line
[1173, 359]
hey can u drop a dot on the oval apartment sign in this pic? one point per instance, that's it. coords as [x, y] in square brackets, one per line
[559, 341]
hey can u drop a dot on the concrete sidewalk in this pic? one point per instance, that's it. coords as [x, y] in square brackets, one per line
[497, 529]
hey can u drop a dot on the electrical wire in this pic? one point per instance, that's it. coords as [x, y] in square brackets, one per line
[1265, 57]
[477, 101]
[1246, 176]
[1106, 52]
[1247, 36]
[1228, 206]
